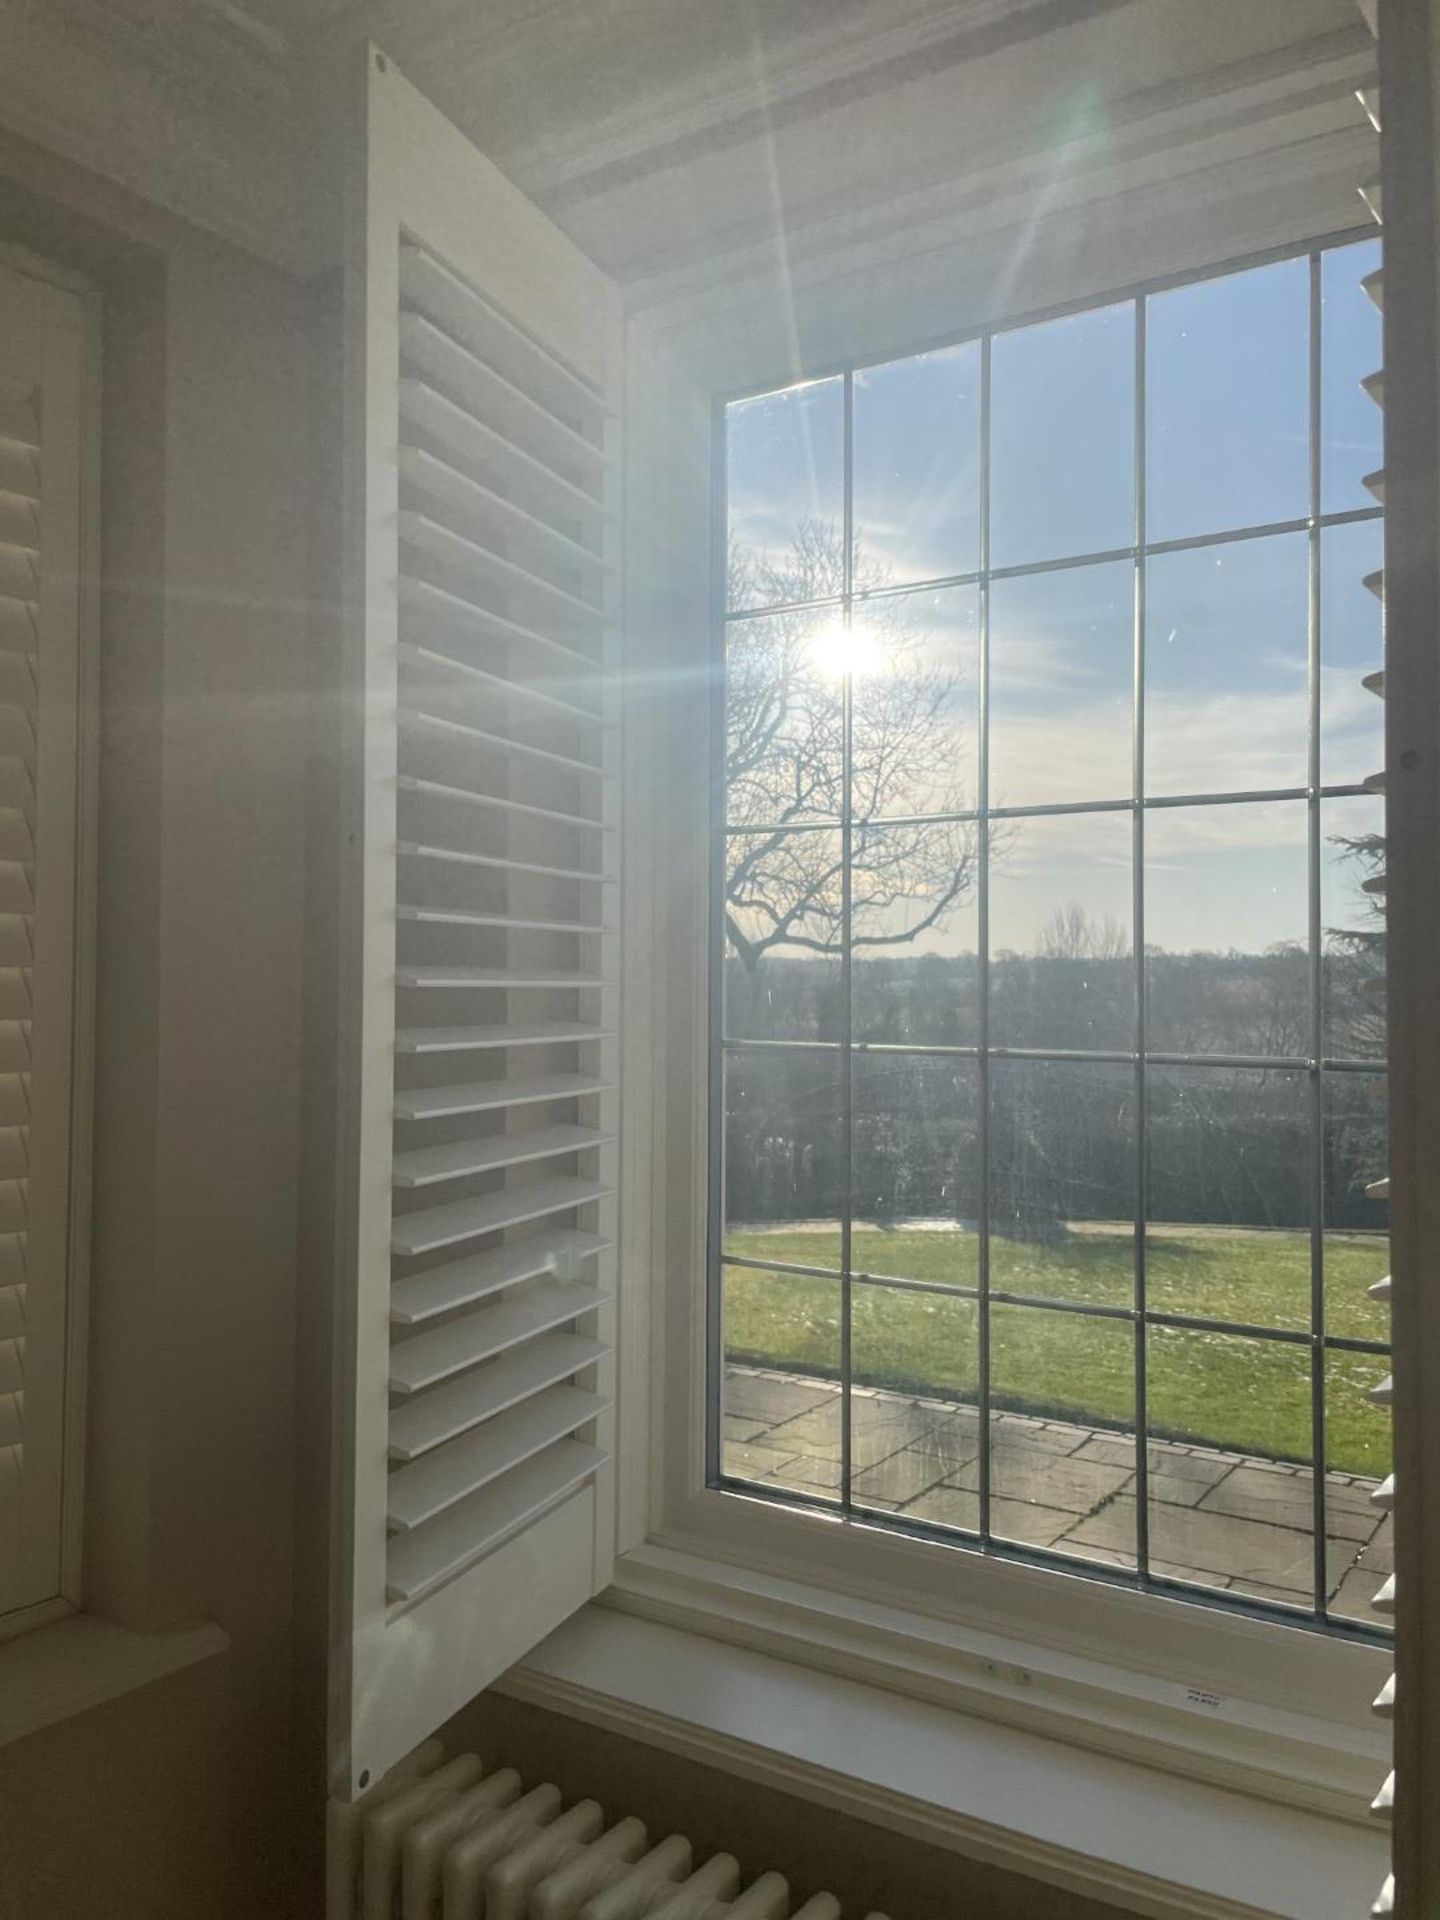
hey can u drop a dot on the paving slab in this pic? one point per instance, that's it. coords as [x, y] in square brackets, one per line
[748, 1462]
[770, 1398]
[1284, 1496]
[1062, 1481]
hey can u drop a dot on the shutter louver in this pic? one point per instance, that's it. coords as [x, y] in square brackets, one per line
[43, 373]
[490, 962]
[1381, 1395]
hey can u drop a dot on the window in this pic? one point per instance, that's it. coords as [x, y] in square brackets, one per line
[1047, 1067]
[45, 933]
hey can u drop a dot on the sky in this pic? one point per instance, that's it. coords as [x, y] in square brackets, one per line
[1226, 444]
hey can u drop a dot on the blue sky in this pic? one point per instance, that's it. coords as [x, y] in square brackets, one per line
[1227, 444]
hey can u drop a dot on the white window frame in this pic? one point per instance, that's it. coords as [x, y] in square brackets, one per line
[77, 880]
[1279, 1709]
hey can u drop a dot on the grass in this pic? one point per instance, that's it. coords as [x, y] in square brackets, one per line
[1218, 1389]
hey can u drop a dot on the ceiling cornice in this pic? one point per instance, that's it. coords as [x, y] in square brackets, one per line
[1249, 106]
[748, 103]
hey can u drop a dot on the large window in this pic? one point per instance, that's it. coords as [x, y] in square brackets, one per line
[1047, 1042]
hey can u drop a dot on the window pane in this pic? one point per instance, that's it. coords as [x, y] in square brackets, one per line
[1062, 1379]
[915, 1168]
[784, 484]
[1361, 1554]
[1062, 686]
[1062, 1180]
[783, 910]
[780, 1401]
[1352, 921]
[915, 700]
[1226, 926]
[784, 1157]
[917, 467]
[1227, 402]
[1062, 968]
[914, 1429]
[915, 920]
[1350, 348]
[1229, 1195]
[1357, 1244]
[1250, 1529]
[1227, 667]
[784, 719]
[1352, 720]
[1062, 437]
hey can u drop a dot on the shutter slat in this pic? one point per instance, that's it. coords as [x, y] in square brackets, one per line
[519, 1033]
[428, 285]
[447, 1226]
[446, 726]
[455, 856]
[474, 561]
[462, 1283]
[18, 625]
[19, 418]
[419, 1562]
[424, 1489]
[486, 1096]
[427, 1358]
[427, 411]
[19, 521]
[416, 654]
[1384, 1701]
[1380, 1290]
[469, 797]
[513, 415]
[473, 1039]
[19, 470]
[460, 1159]
[499, 979]
[12, 1312]
[424, 604]
[429, 1419]
[448, 487]
[473, 917]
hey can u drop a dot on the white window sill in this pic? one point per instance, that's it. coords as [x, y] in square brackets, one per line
[1030, 1768]
[54, 1672]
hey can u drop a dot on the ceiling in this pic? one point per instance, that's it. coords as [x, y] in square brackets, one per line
[690, 143]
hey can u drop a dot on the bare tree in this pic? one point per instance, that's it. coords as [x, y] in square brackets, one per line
[785, 761]
[1071, 934]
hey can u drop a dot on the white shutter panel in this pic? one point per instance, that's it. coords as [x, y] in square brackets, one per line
[44, 370]
[480, 1138]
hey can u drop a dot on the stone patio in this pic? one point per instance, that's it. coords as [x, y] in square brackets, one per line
[1219, 1520]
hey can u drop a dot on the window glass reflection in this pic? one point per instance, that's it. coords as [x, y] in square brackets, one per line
[1062, 448]
[784, 1158]
[1226, 929]
[1062, 686]
[1062, 970]
[1227, 402]
[917, 467]
[914, 664]
[784, 486]
[1230, 1153]
[1063, 1180]
[1227, 667]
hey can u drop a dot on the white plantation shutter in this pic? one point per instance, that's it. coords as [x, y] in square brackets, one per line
[480, 1138]
[44, 370]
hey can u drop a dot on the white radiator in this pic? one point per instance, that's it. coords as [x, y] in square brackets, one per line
[441, 1839]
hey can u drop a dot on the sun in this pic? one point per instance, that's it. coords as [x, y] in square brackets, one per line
[837, 650]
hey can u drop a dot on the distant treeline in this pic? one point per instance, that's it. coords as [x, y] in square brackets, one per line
[1225, 1145]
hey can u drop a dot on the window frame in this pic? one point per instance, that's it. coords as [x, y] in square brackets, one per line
[722, 1557]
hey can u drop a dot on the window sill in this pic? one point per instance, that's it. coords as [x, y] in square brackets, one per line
[1118, 1830]
[57, 1671]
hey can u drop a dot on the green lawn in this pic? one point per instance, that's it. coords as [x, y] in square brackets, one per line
[1251, 1395]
